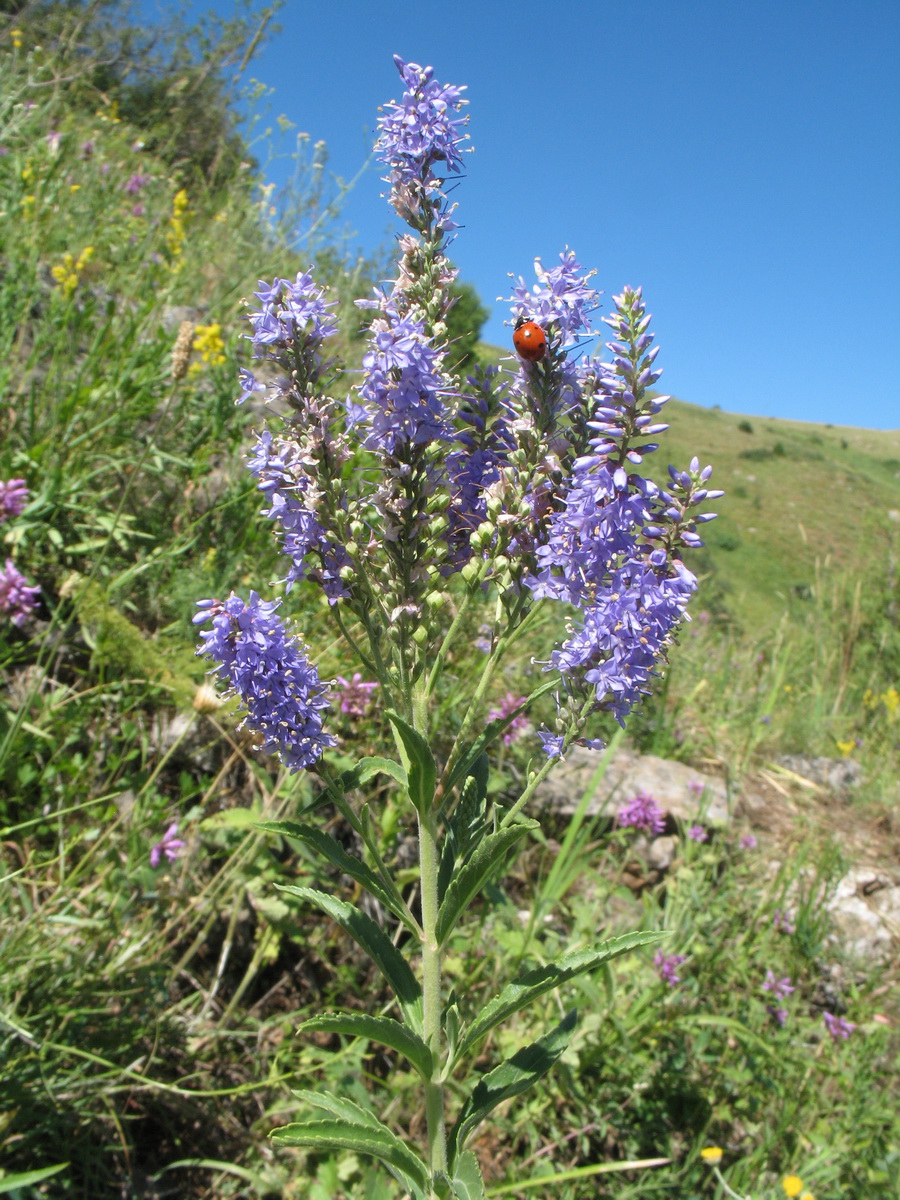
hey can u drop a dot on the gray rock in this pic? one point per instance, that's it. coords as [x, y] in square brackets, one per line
[661, 853]
[838, 775]
[685, 793]
[865, 909]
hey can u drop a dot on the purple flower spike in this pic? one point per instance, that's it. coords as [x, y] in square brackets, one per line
[17, 599]
[839, 1027]
[422, 130]
[13, 498]
[169, 846]
[267, 669]
[402, 394]
[642, 813]
[667, 967]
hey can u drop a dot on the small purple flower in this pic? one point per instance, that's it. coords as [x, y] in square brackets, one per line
[169, 845]
[780, 988]
[138, 210]
[86, 149]
[519, 725]
[782, 921]
[13, 498]
[695, 787]
[356, 695]
[136, 183]
[266, 667]
[551, 743]
[53, 139]
[838, 1027]
[698, 834]
[780, 1014]
[642, 813]
[748, 842]
[667, 967]
[17, 598]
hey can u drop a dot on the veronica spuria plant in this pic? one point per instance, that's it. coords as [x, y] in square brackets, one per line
[415, 505]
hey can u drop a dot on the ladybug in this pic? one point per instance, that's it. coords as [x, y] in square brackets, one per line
[529, 340]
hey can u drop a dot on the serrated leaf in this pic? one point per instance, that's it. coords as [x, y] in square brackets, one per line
[376, 944]
[492, 730]
[470, 879]
[527, 987]
[332, 851]
[385, 1030]
[511, 1078]
[468, 1183]
[367, 767]
[420, 766]
[380, 1143]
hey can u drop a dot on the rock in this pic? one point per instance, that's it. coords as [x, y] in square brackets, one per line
[838, 775]
[865, 909]
[661, 852]
[685, 793]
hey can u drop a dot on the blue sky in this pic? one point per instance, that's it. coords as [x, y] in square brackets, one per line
[740, 161]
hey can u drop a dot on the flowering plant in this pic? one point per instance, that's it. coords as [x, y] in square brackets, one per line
[412, 503]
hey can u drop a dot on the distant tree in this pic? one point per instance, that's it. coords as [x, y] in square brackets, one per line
[177, 82]
[464, 324]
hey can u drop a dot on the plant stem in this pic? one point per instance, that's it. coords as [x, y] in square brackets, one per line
[431, 986]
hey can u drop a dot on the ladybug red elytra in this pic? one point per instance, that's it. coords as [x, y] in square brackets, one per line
[529, 340]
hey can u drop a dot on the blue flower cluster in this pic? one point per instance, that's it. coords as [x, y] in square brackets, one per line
[267, 669]
[526, 482]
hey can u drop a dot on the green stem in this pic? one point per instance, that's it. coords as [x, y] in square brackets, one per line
[431, 986]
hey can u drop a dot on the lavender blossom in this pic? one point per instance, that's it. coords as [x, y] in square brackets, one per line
[838, 1027]
[264, 666]
[642, 813]
[780, 988]
[698, 834]
[17, 599]
[780, 1014]
[292, 323]
[782, 921]
[169, 846]
[561, 301]
[402, 395]
[356, 695]
[13, 498]
[422, 131]
[748, 842]
[519, 725]
[667, 967]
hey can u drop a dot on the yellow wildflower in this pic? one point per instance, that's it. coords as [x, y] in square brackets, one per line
[28, 203]
[68, 272]
[891, 701]
[27, 173]
[74, 187]
[846, 747]
[209, 344]
[711, 1154]
[15, 36]
[792, 1184]
[807, 1196]
[176, 233]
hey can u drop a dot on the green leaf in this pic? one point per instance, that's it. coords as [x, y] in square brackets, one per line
[531, 984]
[420, 767]
[11, 1183]
[332, 851]
[467, 1181]
[511, 1078]
[468, 882]
[406, 1167]
[376, 944]
[367, 767]
[492, 730]
[377, 1029]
